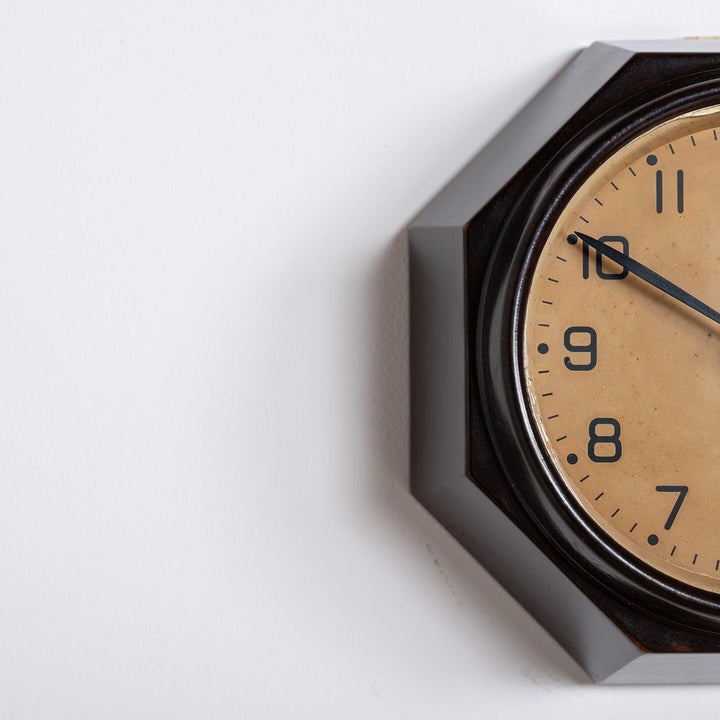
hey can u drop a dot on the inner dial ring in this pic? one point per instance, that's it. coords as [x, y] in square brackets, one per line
[623, 380]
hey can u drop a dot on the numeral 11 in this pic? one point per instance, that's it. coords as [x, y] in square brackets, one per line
[680, 184]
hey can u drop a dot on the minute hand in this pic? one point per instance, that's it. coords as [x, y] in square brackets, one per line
[650, 276]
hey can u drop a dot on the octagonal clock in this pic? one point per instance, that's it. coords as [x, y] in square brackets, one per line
[565, 359]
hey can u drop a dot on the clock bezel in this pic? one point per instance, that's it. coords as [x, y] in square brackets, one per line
[546, 499]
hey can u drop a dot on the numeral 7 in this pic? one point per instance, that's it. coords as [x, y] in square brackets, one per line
[681, 490]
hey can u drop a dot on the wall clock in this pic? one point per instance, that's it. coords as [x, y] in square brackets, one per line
[565, 360]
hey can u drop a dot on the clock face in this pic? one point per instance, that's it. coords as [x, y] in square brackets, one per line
[621, 347]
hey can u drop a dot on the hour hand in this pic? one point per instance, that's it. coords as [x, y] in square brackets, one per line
[650, 276]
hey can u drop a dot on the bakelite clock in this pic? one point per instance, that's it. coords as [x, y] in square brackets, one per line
[565, 359]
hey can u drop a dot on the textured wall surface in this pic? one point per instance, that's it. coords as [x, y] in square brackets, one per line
[203, 379]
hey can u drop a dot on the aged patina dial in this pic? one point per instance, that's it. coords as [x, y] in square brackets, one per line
[621, 347]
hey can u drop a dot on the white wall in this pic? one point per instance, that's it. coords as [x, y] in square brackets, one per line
[203, 386]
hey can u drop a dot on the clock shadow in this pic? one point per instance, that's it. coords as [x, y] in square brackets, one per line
[471, 604]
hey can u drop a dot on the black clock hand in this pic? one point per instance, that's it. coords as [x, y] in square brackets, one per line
[650, 276]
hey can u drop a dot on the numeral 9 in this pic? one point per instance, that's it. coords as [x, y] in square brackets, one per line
[574, 346]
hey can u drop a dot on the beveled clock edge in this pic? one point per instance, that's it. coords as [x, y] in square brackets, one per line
[505, 155]
[668, 669]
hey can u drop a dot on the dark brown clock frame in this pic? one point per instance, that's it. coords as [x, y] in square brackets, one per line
[473, 462]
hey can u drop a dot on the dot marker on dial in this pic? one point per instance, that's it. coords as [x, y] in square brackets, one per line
[572, 238]
[653, 539]
[572, 458]
[543, 348]
[652, 160]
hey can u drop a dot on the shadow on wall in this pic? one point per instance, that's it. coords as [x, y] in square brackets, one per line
[526, 648]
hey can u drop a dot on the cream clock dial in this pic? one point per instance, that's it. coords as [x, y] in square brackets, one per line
[621, 347]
